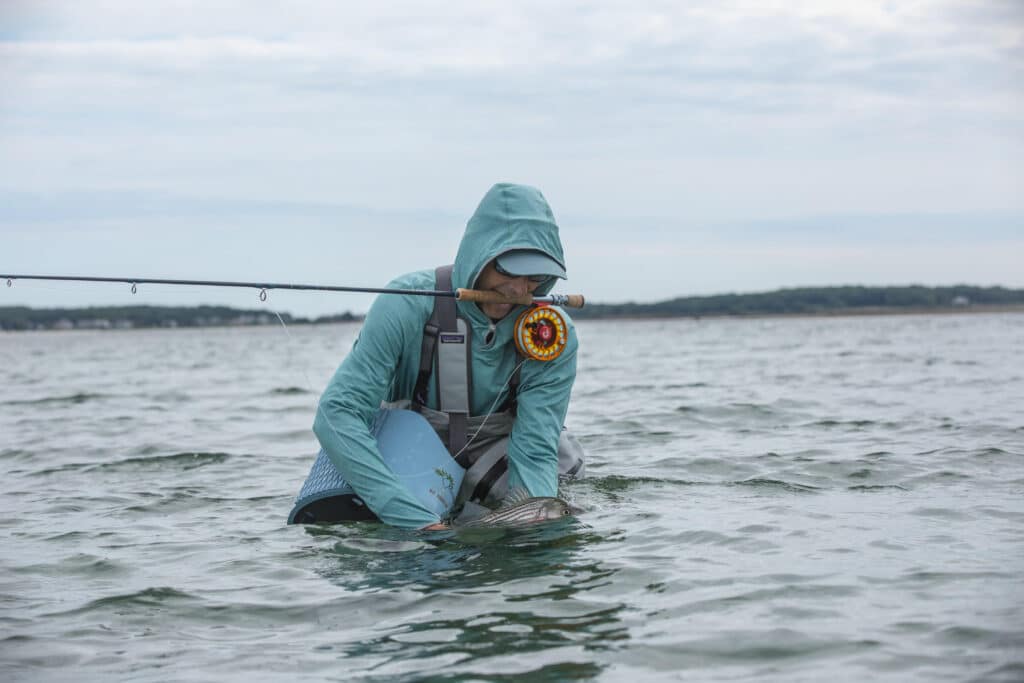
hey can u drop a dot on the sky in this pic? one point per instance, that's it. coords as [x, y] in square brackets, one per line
[685, 148]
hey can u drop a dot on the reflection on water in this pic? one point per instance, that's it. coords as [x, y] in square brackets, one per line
[506, 593]
[372, 556]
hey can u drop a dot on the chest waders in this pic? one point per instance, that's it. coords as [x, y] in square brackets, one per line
[479, 444]
[409, 443]
[446, 353]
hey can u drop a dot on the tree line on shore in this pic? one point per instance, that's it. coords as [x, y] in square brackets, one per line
[796, 301]
[132, 317]
[815, 301]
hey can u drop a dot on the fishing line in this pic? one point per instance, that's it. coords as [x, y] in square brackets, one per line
[309, 384]
[305, 375]
[490, 410]
[320, 410]
[327, 419]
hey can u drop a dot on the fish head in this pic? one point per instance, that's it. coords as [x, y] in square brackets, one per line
[555, 508]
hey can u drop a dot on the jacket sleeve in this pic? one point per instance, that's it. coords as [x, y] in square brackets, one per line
[542, 404]
[350, 403]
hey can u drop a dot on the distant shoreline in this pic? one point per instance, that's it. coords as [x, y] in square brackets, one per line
[806, 302]
[837, 313]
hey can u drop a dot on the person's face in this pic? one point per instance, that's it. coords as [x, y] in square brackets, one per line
[491, 280]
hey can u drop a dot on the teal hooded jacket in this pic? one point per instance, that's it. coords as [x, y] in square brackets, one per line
[384, 363]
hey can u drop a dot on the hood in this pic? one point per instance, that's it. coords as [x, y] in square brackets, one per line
[509, 217]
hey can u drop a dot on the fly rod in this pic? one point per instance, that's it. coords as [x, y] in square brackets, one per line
[474, 295]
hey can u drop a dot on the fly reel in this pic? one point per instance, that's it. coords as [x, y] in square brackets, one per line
[541, 333]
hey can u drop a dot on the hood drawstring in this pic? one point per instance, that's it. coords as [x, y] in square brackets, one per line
[489, 337]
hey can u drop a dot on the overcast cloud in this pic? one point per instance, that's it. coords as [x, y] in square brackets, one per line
[685, 147]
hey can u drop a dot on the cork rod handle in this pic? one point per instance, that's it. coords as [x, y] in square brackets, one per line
[484, 297]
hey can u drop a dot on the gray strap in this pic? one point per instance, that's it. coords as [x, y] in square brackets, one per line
[427, 346]
[453, 378]
[491, 459]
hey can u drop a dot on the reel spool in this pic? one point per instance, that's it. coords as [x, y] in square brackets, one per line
[541, 333]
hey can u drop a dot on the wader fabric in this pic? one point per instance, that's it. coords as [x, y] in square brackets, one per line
[486, 454]
[486, 479]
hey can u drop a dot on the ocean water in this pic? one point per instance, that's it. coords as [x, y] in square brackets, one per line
[769, 499]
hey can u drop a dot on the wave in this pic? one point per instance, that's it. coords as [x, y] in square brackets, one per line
[72, 399]
[759, 482]
[149, 597]
[615, 483]
[856, 424]
[173, 461]
[876, 487]
[289, 391]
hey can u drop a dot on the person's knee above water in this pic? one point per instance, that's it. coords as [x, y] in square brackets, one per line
[501, 414]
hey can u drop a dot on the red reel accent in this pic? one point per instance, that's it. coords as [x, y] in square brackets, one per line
[541, 333]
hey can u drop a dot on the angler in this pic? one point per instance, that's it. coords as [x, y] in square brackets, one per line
[445, 401]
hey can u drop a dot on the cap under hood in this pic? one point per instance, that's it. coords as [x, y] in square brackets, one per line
[509, 217]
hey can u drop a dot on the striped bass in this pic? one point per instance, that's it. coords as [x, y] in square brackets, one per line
[519, 509]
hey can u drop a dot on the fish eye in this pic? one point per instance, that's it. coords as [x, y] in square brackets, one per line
[565, 512]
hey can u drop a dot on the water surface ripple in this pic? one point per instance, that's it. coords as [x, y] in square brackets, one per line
[775, 499]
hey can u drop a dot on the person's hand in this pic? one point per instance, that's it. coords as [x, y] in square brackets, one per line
[440, 526]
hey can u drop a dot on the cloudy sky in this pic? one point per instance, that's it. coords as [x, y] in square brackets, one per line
[686, 148]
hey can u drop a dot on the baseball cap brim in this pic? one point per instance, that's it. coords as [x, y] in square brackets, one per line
[530, 262]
